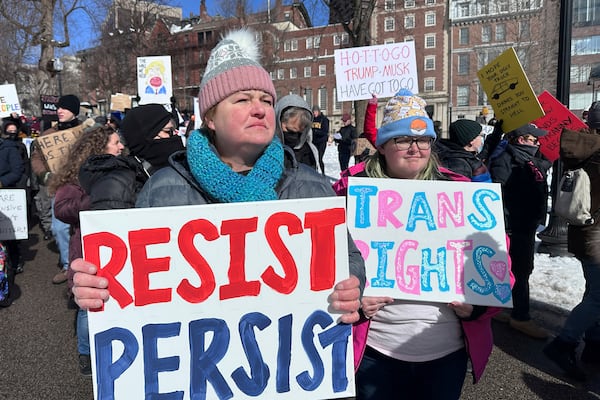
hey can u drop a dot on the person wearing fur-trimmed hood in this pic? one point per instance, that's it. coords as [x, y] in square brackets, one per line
[293, 120]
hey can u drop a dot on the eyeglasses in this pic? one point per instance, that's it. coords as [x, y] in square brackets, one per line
[404, 142]
[532, 139]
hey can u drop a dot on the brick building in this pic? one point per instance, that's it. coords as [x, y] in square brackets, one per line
[453, 39]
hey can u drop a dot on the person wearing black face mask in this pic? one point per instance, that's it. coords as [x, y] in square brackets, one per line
[112, 182]
[294, 120]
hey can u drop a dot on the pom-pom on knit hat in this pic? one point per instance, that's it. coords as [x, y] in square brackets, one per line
[463, 131]
[404, 115]
[69, 102]
[233, 66]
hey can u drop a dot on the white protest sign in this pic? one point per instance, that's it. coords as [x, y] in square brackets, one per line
[13, 214]
[154, 79]
[431, 240]
[382, 70]
[220, 301]
[9, 100]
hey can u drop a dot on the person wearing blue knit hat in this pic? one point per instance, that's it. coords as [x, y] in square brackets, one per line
[418, 349]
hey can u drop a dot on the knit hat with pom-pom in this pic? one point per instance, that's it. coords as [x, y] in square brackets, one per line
[404, 115]
[233, 66]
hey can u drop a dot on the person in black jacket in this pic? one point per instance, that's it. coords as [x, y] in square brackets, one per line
[460, 152]
[522, 170]
[11, 171]
[344, 139]
[113, 182]
[320, 129]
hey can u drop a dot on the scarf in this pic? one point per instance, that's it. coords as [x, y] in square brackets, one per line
[228, 186]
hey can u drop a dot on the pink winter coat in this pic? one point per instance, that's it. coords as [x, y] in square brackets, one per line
[478, 335]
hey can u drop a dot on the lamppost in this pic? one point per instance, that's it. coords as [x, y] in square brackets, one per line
[58, 67]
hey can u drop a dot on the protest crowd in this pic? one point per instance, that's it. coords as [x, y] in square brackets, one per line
[253, 147]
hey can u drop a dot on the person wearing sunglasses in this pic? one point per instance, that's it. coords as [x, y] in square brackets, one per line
[394, 354]
[522, 171]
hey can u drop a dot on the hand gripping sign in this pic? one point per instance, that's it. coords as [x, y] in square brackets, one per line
[220, 301]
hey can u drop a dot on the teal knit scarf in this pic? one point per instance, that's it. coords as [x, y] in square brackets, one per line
[228, 186]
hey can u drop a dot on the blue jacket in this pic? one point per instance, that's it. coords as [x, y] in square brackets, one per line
[176, 186]
[11, 164]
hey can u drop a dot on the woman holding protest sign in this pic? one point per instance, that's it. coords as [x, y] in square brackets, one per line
[235, 157]
[70, 199]
[417, 349]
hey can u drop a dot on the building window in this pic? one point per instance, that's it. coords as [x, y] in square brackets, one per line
[293, 73]
[585, 46]
[429, 2]
[502, 6]
[409, 38]
[389, 24]
[307, 71]
[280, 74]
[389, 41]
[463, 10]
[322, 70]
[317, 42]
[409, 21]
[409, 3]
[463, 36]
[290, 45]
[580, 73]
[500, 32]
[429, 63]
[524, 31]
[584, 13]
[486, 33]
[430, 41]
[524, 5]
[430, 19]
[337, 105]
[340, 39]
[308, 96]
[483, 7]
[390, 5]
[462, 96]
[463, 64]
[309, 43]
[429, 84]
[323, 98]
[523, 56]
[481, 96]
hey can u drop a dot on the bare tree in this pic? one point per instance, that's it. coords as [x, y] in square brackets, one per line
[355, 17]
[131, 29]
[36, 20]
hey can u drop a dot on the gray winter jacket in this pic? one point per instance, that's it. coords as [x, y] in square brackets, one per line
[176, 186]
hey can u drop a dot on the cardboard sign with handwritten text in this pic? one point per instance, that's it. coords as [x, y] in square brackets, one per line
[55, 146]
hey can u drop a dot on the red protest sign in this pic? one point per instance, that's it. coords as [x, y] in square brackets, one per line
[556, 117]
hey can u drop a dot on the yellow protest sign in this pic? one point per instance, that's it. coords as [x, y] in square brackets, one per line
[509, 91]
